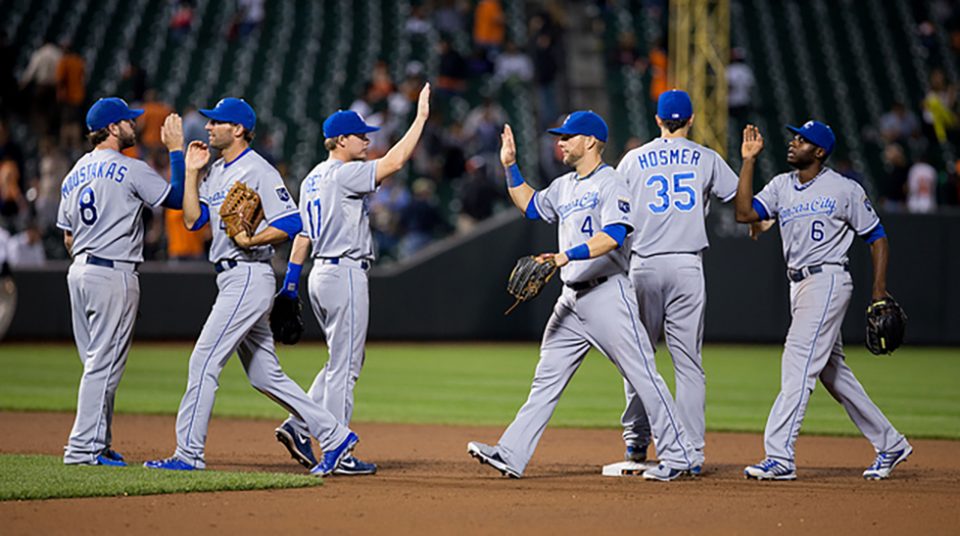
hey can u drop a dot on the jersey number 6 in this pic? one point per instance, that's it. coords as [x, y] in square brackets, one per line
[680, 190]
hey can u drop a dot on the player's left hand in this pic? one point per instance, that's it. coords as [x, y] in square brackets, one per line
[759, 227]
[171, 133]
[423, 104]
[560, 259]
[243, 240]
[752, 142]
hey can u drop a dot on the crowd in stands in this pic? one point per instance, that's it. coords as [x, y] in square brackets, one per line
[454, 180]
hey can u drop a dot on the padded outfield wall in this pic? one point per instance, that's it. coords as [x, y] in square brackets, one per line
[456, 288]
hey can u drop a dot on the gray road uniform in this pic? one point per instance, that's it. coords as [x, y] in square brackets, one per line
[101, 205]
[239, 321]
[818, 221]
[598, 308]
[336, 220]
[670, 182]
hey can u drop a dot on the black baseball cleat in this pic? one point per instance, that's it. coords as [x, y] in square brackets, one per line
[297, 444]
[488, 455]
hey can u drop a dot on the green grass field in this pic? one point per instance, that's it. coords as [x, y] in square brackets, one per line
[24, 477]
[485, 384]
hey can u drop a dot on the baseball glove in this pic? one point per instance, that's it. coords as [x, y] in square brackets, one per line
[286, 322]
[241, 210]
[528, 278]
[886, 323]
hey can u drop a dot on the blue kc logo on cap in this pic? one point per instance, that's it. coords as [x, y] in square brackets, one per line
[109, 111]
[583, 122]
[816, 133]
[232, 110]
[344, 123]
[674, 105]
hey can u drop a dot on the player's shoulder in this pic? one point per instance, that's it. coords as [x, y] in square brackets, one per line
[843, 182]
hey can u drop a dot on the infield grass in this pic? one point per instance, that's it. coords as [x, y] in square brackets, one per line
[485, 384]
[24, 477]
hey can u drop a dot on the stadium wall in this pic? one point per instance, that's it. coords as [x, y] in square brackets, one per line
[456, 288]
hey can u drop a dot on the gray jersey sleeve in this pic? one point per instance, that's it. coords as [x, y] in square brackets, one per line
[358, 177]
[769, 197]
[64, 216]
[274, 197]
[725, 181]
[148, 185]
[860, 213]
[546, 201]
[615, 204]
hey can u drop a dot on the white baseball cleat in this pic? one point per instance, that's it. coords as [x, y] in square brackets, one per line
[885, 462]
[491, 456]
[769, 469]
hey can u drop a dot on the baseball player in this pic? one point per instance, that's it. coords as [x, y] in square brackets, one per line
[670, 181]
[819, 212]
[336, 233]
[598, 304]
[238, 321]
[101, 207]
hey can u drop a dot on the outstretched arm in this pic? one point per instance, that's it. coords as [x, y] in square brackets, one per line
[880, 252]
[197, 156]
[750, 149]
[398, 155]
[520, 192]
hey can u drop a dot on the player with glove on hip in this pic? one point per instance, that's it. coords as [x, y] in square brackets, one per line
[239, 187]
[598, 305]
[819, 212]
[336, 233]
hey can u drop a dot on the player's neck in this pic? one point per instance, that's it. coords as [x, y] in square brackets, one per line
[232, 151]
[810, 172]
[679, 133]
[588, 164]
[110, 143]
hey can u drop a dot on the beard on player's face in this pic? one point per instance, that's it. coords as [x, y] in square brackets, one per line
[127, 135]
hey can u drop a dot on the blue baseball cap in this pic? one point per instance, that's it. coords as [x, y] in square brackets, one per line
[583, 122]
[344, 122]
[232, 110]
[108, 111]
[674, 105]
[816, 133]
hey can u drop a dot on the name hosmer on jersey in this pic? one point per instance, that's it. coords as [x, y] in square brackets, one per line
[668, 157]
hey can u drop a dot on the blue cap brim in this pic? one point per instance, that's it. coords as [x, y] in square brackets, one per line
[212, 114]
[135, 113]
[560, 131]
[795, 130]
[368, 128]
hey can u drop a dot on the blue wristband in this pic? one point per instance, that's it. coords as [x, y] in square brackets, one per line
[579, 253]
[514, 178]
[291, 282]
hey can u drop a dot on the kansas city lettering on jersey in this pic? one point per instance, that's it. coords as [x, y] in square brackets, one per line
[585, 202]
[821, 205]
[93, 170]
[669, 157]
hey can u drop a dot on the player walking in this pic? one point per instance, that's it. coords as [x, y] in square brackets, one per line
[101, 203]
[819, 212]
[246, 283]
[337, 226]
[670, 181]
[597, 306]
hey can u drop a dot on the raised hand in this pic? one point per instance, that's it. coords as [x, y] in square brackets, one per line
[198, 154]
[508, 148]
[171, 133]
[423, 104]
[752, 142]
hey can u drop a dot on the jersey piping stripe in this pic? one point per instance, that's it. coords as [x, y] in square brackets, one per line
[870, 228]
[806, 367]
[346, 377]
[113, 363]
[206, 362]
[163, 197]
[646, 366]
[284, 215]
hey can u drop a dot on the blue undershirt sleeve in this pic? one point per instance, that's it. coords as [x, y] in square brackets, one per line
[617, 231]
[178, 173]
[762, 212]
[531, 213]
[876, 234]
[291, 224]
[203, 219]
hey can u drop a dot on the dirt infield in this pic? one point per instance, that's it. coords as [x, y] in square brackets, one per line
[428, 485]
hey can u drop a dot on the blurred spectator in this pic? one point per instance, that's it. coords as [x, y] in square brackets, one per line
[182, 20]
[489, 26]
[386, 205]
[420, 219]
[12, 200]
[512, 64]
[39, 80]
[482, 129]
[545, 62]
[452, 72]
[477, 195]
[478, 65]
[71, 95]
[551, 159]
[9, 92]
[417, 23]
[921, 187]
[893, 194]
[626, 54]
[136, 78]
[845, 167]
[182, 243]
[740, 83]
[450, 16]
[365, 103]
[381, 81]
[899, 124]
[194, 125]
[25, 249]
[155, 112]
[658, 63]
[939, 116]
[54, 166]
[250, 14]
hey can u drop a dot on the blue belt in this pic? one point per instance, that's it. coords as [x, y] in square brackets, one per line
[228, 264]
[364, 265]
[799, 275]
[584, 285]
[100, 261]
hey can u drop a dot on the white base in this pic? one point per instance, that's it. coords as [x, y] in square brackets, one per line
[625, 469]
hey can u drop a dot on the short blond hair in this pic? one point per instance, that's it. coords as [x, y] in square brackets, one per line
[330, 143]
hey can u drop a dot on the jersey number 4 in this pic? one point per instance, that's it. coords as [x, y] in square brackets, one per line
[682, 196]
[88, 211]
[313, 211]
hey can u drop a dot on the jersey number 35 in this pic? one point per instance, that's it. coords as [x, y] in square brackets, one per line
[681, 196]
